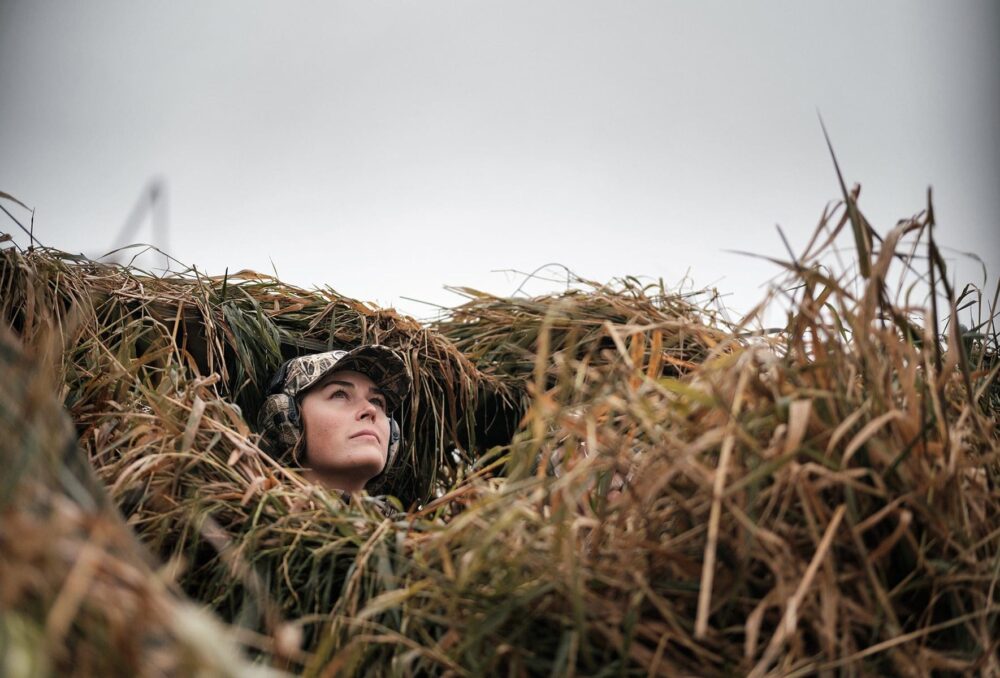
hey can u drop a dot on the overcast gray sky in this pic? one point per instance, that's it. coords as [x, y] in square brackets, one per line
[390, 148]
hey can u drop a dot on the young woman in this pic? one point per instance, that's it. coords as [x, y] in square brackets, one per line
[331, 414]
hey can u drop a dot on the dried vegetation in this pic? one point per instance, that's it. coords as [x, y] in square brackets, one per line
[608, 480]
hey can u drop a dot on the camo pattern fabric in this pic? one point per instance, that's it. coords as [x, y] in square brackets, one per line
[380, 363]
[278, 422]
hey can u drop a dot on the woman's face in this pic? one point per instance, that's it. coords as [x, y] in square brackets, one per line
[346, 429]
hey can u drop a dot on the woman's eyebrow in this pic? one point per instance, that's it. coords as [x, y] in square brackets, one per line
[373, 391]
[339, 382]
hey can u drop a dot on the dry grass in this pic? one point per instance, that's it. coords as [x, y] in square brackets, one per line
[78, 593]
[129, 335]
[604, 481]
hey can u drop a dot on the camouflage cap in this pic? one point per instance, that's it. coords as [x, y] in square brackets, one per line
[381, 364]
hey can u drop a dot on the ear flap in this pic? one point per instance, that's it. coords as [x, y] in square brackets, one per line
[278, 422]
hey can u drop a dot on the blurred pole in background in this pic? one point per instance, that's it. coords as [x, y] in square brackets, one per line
[154, 202]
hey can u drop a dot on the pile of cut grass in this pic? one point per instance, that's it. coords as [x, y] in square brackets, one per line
[78, 593]
[131, 337]
[581, 326]
[671, 496]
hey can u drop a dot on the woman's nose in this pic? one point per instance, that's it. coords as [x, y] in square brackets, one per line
[367, 410]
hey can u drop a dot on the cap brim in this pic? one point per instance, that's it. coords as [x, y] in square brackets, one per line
[382, 365]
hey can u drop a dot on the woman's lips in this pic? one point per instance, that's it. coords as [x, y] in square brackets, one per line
[367, 432]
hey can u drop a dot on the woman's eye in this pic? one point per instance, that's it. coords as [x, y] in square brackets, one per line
[379, 403]
[338, 394]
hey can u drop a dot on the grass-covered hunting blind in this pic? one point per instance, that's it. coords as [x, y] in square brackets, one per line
[611, 480]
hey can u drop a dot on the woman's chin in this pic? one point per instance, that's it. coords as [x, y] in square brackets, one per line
[360, 462]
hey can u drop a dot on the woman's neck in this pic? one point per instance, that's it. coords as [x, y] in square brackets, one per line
[335, 481]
